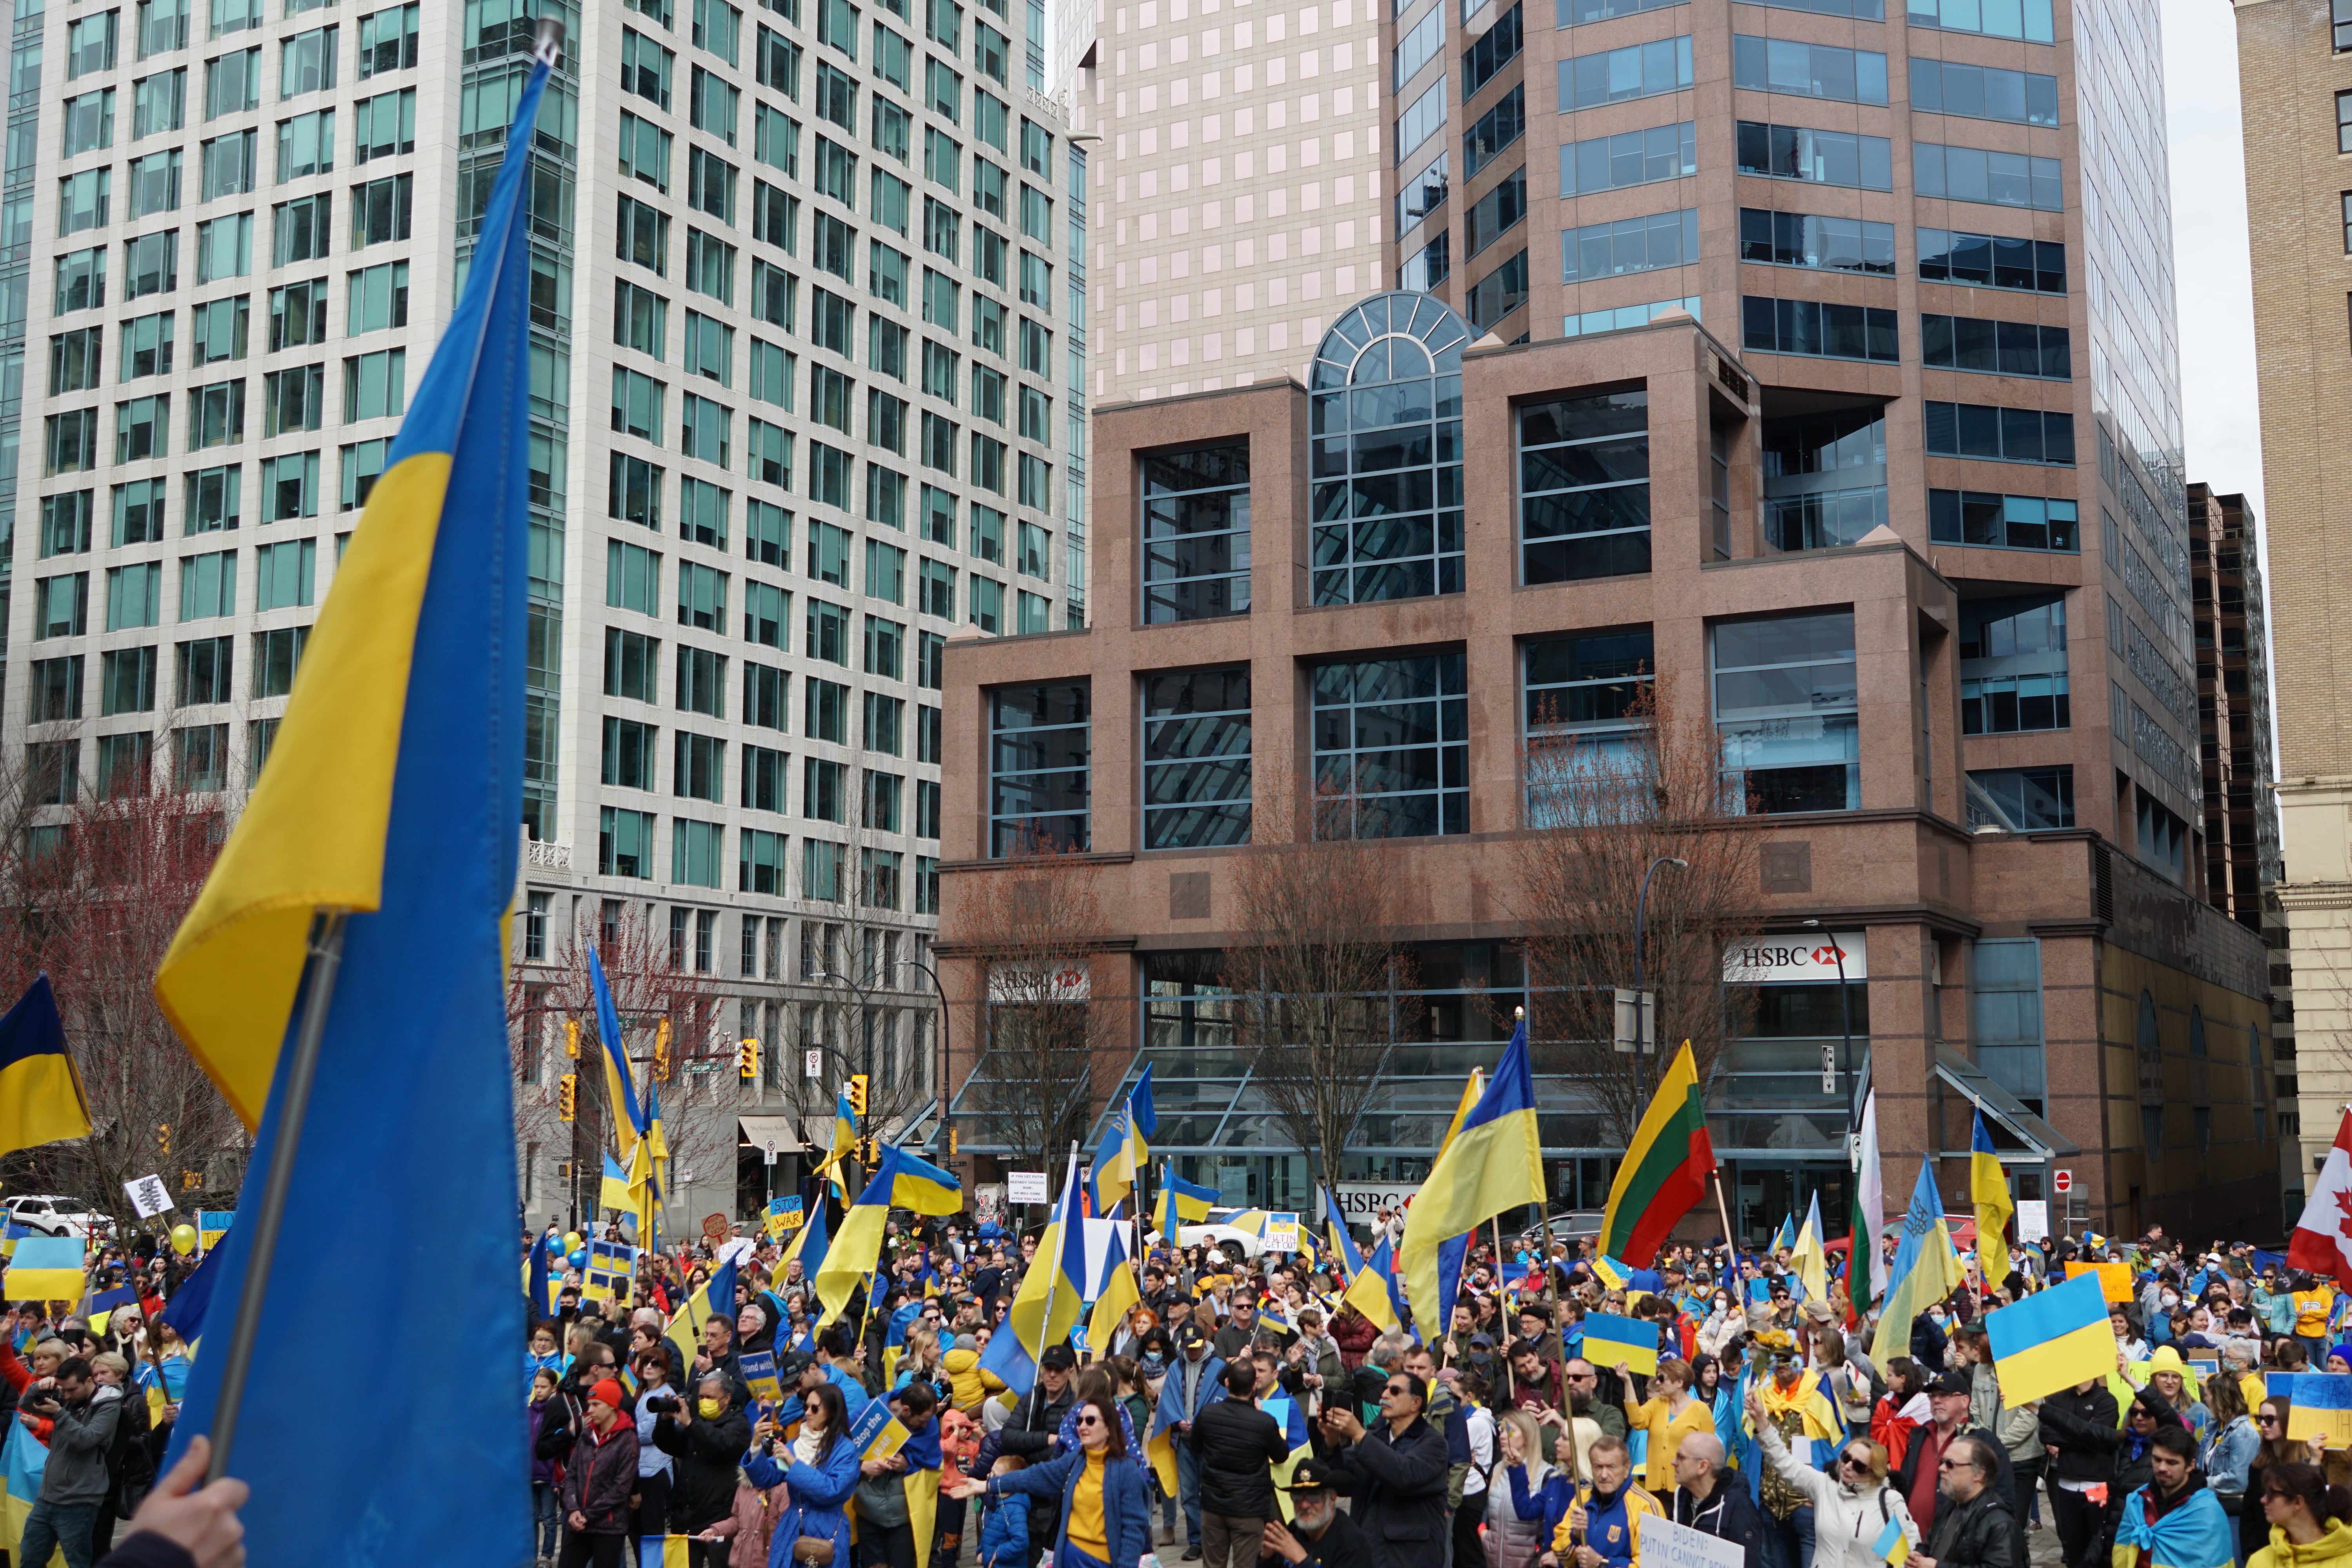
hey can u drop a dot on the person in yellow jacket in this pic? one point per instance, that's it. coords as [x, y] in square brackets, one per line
[1668, 1416]
[968, 1384]
[2307, 1518]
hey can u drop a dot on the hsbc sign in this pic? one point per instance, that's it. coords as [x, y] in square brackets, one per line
[1808, 956]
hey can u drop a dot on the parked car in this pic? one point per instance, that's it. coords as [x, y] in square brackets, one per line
[51, 1215]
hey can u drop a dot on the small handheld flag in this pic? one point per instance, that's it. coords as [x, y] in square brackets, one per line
[1893, 1546]
[1608, 1340]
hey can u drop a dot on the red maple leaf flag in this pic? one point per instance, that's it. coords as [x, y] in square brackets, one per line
[2322, 1242]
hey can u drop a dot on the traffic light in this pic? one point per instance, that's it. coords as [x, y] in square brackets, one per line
[571, 1038]
[746, 1060]
[858, 1093]
[953, 1141]
[567, 1096]
[192, 1181]
[163, 1137]
[870, 1153]
[661, 1051]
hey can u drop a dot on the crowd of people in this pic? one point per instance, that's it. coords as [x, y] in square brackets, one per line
[1242, 1413]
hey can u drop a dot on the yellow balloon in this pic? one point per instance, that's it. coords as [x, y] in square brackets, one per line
[184, 1239]
[571, 1242]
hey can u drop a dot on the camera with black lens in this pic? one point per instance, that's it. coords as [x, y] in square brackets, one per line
[662, 1403]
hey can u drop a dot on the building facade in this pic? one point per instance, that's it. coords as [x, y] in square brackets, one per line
[2296, 63]
[1894, 711]
[808, 372]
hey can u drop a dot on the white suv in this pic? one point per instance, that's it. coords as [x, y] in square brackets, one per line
[51, 1215]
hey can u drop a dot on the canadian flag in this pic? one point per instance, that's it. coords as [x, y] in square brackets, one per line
[2322, 1242]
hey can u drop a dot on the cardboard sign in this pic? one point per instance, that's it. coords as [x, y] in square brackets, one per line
[2115, 1278]
[716, 1228]
[1665, 1544]
[876, 1434]
[149, 1196]
[2033, 1220]
[1281, 1233]
[1027, 1187]
[758, 1370]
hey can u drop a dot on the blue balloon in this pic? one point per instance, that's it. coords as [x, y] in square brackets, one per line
[579, 1258]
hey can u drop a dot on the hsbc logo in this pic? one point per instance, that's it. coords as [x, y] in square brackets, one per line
[1797, 958]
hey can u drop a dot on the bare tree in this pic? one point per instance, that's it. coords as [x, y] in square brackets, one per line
[1031, 929]
[1600, 812]
[1325, 990]
[671, 1026]
[93, 884]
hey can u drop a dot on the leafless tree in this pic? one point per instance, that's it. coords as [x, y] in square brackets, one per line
[1600, 812]
[1324, 989]
[1032, 930]
[93, 883]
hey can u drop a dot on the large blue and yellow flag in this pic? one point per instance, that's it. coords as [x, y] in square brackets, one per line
[2051, 1340]
[1495, 1163]
[392, 793]
[715, 1299]
[845, 1142]
[620, 1089]
[1926, 1268]
[1181, 1202]
[811, 1244]
[900, 1180]
[1119, 1163]
[1342, 1242]
[40, 1097]
[1988, 1190]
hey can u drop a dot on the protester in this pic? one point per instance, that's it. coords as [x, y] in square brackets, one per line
[1852, 1505]
[2307, 1517]
[1234, 1443]
[1393, 1474]
[1711, 1499]
[600, 1474]
[1973, 1528]
[1104, 1514]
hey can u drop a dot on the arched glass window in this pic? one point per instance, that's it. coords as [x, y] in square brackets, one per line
[1387, 383]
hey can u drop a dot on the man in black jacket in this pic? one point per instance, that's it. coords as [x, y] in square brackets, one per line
[1973, 1525]
[1036, 1420]
[1234, 1444]
[1395, 1473]
[1712, 1500]
[2078, 1424]
[1317, 1531]
[706, 1437]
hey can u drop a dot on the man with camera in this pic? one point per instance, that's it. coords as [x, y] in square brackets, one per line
[704, 1439]
[84, 1417]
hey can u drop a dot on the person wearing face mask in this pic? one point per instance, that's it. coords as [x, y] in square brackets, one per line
[1853, 1503]
[1724, 1323]
[703, 1440]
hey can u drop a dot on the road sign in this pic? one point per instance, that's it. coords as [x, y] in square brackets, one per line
[1026, 1188]
[812, 1065]
[2063, 1179]
[770, 1158]
[149, 1196]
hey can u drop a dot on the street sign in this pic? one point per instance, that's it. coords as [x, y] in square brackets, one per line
[149, 1196]
[770, 1157]
[2063, 1179]
[1625, 1021]
[813, 1064]
[1027, 1187]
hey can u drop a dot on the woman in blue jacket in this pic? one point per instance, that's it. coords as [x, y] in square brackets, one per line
[820, 1467]
[1106, 1513]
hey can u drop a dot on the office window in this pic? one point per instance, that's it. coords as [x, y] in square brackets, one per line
[1997, 348]
[201, 672]
[638, 404]
[760, 869]
[376, 385]
[1821, 157]
[1196, 758]
[767, 614]
[1988, 92]
[276, 657]
[1195, 533]
[380, 211]
[1813, 70]
[1975, 175]
[69, 441]
[1584, 467]
[163, 27]
[65, 523]
[770, 449]
[701, 596]
[217, 329]
[217, 415]
[283, 574]
[1586, 705]
[151, 265]
[139, 513]
[214, 503]
[75, 357]
[1638, 71]
[289, 487]
[301, 230]
[1803, 239]
[126, 681]
[82, 280]
[1818, 327]
[1785, 713]
[134, 596]
[91, 44]
[2013, 664]
[632, 665]
[155, 185]
[1040, 740]
[1629, 245]
[208, 585]
[56, 689]
[293, 399]
[384, 126]
[387, 40]
[88, 121]
[306, 63]
[702, 511]
[142, 428]
[2027, 20]
[2001, 522]
[711, 184]
[710, 266]
[1992, 261]
[1391, 747]
[698, 770]
[624, 842]
[701, 686]
[2023, 800]
[361, 465]
[821, 871]
[233, 83]
[61, 606]
[1825, 478]
[2003, 435]
[306, 145]
[228, 165]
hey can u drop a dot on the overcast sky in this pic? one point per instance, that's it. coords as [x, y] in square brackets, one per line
[2209, 237]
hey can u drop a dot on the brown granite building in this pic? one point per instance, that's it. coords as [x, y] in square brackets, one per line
[1375, 577]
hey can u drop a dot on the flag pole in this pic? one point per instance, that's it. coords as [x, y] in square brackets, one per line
[1731, 1242]
[326, 958]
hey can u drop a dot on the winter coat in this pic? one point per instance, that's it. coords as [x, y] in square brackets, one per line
[968, 1382]
[1355, 1334]
[1398, 1484]
[1236, 1443]
[1978, 1533]
[78, 1445]
[1036, 1420]
[1512, 1541]
[599, 1477]
[541, 1469]
[2082, 1426]
[1846, 1522]
[702, 1479]
[818, 1499]
[1126, 1505]
[1727, 1513]
[755, 1514]
[1004, 1534]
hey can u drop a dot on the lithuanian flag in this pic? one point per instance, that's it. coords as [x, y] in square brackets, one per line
[1665, 1172]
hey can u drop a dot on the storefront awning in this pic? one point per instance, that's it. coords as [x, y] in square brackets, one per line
[759, 1130]
[2038, 1136]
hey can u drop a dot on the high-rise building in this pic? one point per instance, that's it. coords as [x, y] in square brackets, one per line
[1473, 600]
[2233, 710]
[2296, 63]
[806, 384]
[1239, 200]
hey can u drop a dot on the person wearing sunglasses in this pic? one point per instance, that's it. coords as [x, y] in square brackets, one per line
[2306, 1517]
[1853, 1503]
[1106, 1514]
[1396, 1474]
[1973, 1527]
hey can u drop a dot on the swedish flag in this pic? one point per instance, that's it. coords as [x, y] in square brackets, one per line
[393, 794]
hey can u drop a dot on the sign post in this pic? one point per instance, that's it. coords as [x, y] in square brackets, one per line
[2063, 1179]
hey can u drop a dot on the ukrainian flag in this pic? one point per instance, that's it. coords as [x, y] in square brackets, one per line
[2051, 1340]
[1989, 1189]
[45, 1268]
[620, 1090]
[1117, 1298]
[1612, 1273]
[40, 1097]
[900, 1180]
[844, 1142]
[1120, 1161]
[715, 1299]
[1495, 1163]
[1925, 1269]
[1810, 1258]
[1343, 1241]
[615, 1194]
[26, 1462]
[393, 794]
[1608, 1340]
[1374, 1291]
[1893, 1545]
[810, 1245]
[1045, 1316]
[1181, 1202]
[1786, 1237]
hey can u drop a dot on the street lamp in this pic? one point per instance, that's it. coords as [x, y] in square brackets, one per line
[945, 1054]
[1641, 905]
